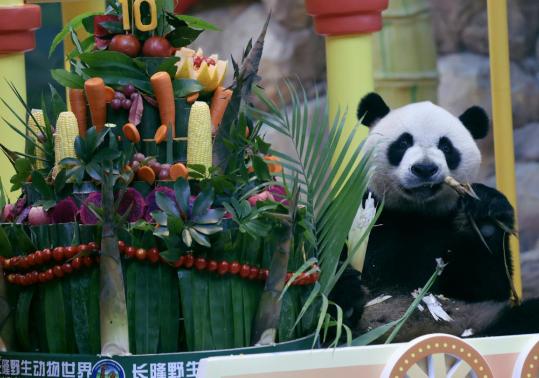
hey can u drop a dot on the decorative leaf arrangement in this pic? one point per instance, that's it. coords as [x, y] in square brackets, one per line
[257, 226]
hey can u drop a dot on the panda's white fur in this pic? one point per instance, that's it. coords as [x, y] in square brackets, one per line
[427, 123]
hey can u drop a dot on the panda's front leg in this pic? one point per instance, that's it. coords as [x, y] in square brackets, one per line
[491, 217]
[480, 265]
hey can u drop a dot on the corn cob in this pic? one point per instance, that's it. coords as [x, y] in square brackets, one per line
[37, 114]
[67, 130]
[199, 142]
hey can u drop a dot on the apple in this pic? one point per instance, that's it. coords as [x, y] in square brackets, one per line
[157, 47]
[125, 43]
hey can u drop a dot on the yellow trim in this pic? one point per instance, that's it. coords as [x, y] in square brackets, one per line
[71, 9]
[502, 116]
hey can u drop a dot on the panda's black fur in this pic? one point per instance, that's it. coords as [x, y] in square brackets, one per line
[475, 286]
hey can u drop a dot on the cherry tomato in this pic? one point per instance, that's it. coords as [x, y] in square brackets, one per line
[245, 271]
[189, 261]
[76, 263]
[141, 254]
[223, 267]
[58, 253]
[153, 255]
[200, 263]
[67, 268]
[235, 267]
[212, 265]
[57, 271]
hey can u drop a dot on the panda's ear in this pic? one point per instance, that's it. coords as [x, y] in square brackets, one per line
[371, 108]
[476, 121]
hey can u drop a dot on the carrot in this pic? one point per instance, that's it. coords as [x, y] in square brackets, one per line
[131, 133]
[109, 94]
[219, 102]
[161, 134]
[192, 97]
[95, 93]
[273, 167]
[146, 174]
[164, 93]
[178, 170]
[77, 101]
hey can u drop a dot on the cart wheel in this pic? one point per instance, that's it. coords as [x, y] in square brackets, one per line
[437, 356]
[527, 365]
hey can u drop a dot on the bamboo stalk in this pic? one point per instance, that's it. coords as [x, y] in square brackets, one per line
[269, 310]
[113, 308]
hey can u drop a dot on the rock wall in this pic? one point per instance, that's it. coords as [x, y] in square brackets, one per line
[292, 49]
[460, 28]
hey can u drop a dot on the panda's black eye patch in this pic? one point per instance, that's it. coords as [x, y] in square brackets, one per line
[452, 155]
[398, 148]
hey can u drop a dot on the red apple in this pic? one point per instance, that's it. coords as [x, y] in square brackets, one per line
[157, 47]
[125, 43]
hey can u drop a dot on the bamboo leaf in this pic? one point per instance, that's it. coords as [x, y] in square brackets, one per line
[169, 310]
[185, 278]
[74, 24]
[22, 319]
[146, 304]
[55, 317]
[67, 79]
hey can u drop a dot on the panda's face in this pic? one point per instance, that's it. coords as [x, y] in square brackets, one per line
[414, 149]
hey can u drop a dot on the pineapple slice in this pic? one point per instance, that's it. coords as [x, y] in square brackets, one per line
[209, 71]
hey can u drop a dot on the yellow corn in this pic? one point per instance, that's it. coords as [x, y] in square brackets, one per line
[67, 130]
[199, 142]
[37, 114]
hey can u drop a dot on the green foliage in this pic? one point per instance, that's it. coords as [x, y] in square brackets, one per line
[193, 224]
[92, 153]
[24, 163]
[186, 29]
[74, 24]
[332, 185]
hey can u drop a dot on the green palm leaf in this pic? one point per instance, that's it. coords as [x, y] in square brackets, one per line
[333, 179]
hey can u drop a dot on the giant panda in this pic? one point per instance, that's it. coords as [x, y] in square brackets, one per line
[413, 149]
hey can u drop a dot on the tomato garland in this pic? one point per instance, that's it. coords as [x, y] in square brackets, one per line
[73, 258]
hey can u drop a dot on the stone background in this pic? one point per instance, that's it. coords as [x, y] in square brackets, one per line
[293, 50]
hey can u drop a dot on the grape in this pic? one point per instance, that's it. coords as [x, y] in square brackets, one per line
[164, 174]
[133, 96]
[128, 90]
[135, 165]
[116, 104]
[165, 166]
[126, 104]
[119, 95]
[139, 157]
[156, 167]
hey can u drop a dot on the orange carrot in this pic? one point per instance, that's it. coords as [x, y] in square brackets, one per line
[77, 101]
[95, 93]
[161, 134]
[146, 174]
[178, 170]
[164, 93]
[109, 94]
[219, 102]
[192, 97]
[273, 167]
[131, 133]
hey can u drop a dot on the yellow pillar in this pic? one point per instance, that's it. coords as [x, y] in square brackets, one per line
[12, 68]
[502, 116]
[348, 26]
[71, 9]
[349, 75]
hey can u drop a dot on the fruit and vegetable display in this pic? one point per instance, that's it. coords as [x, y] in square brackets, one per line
[152, 216]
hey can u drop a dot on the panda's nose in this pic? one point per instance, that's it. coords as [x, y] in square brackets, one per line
[424, 170]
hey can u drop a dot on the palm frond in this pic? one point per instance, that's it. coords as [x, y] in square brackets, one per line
[331, 170]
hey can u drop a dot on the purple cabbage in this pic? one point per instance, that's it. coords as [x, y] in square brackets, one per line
[65, 211]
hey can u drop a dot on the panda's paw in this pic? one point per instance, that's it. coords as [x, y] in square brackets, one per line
[349, 294]
[492, 208]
